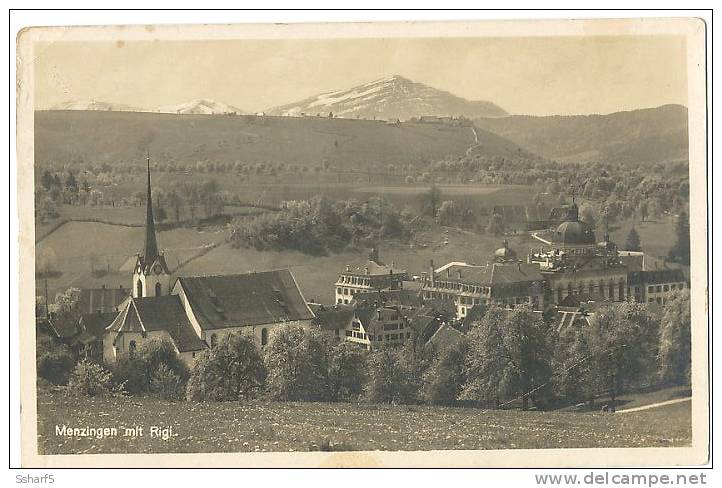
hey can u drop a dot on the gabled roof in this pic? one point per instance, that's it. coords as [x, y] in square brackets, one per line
[445, 336]
[96, 323]
[164, 313]
[245, 299]
[405, 298]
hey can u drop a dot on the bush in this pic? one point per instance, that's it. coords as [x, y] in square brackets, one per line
[231, 370]
[54, 361]
[166, 383]
[675, 340]
[90, 379]
[136, 369]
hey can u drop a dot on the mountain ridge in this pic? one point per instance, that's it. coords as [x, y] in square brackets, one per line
[390, 98]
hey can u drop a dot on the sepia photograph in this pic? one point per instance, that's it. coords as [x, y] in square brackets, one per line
[451, 243]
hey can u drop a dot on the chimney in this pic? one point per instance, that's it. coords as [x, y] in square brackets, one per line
[348, 268]
[448, 272]
[458, 273]
[366, 270]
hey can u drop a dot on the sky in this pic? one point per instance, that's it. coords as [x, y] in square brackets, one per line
[534, 76]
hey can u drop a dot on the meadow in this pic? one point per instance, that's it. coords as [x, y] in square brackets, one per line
[261, 426]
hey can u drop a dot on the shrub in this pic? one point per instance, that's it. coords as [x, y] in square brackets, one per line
[90, 379]
[136, 369]
[231, 370]
[675, 340]
[166, 383]
[394, 375]
[54, 361]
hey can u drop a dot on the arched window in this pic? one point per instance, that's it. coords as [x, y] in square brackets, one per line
[214, 340]
[131, 347]
[264, 336]
[139, 288]
[157, 290]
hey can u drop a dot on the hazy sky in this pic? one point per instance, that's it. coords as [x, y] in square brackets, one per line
[538, 76]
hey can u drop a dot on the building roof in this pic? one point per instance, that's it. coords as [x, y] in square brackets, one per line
[493, 274]
[574, 233]
[93, 300]
[334, 317]
[163, 313]
[245, 299]
[96, 323]
[372, 268]
[656, 276]
[445, 336]
[403, 297]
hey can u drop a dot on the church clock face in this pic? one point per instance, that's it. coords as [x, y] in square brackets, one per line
[157, 269]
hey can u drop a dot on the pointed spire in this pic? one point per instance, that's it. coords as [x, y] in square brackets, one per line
[150, 248]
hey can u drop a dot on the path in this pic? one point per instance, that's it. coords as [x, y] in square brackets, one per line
[655, 405]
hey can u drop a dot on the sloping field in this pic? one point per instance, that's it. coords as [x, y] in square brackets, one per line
[123, 137]
[91, 254]
[261, 426]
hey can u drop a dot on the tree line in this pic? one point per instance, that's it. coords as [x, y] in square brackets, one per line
[508, 358]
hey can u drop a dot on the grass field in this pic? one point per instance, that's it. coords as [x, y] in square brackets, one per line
[91, 254]
[261, 426]
[316, 275]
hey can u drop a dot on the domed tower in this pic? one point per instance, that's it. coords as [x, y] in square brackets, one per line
[151, 276]
[573, 231]
[505, 254]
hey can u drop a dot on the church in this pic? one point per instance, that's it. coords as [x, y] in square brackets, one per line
[195, 312]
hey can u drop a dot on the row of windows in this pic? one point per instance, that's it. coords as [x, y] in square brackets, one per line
[660, 288]
[354, 280]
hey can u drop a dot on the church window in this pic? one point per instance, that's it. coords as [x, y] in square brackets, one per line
[131, 347]
[139, 288]
[264, 336]
[158, 290]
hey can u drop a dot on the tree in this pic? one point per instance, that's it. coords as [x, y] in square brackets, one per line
[621, 344]
[231, 370]
[136, 369]
[347, 372]
[54, 361]
[680, 252]
[385, 377]
[432, 198]
[71, 183]
[297, 365]
[495, 226]
[675, 340]
[587, 214]
[633, 242]
[509, 357]
[47, 180]
[447, 213]
[445, 378]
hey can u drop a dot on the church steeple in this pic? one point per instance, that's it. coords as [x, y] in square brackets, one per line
[150, 247]
[151, 277]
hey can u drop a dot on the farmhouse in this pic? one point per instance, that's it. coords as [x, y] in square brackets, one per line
[196, 312]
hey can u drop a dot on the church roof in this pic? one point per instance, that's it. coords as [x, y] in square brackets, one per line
[163, 313]
[574, 232]
[245, 299]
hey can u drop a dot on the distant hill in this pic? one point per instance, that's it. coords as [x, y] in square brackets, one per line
[646, 135]
[123, 137]
[201, 106]
[95, 105]
[389, 98]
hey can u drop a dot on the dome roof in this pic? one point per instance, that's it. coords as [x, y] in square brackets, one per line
[574, 232]
[505, 252]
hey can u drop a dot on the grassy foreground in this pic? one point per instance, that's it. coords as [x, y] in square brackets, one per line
[270, 426]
